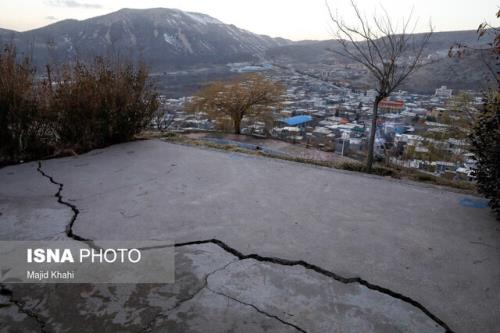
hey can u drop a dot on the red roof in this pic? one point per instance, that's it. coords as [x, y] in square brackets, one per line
[388, 104]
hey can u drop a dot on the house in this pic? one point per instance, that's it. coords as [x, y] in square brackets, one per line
[387, 105]
[443, 92]
[299, 121]
[438, 112]
[443, 166]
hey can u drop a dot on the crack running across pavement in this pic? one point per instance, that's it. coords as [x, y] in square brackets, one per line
[257, 309]
[317, 269]
[152, 324]
[257, 257]
[74, 209]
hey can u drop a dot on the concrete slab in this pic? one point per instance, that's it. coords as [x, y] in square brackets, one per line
[317, 303]
[114, 308]
[28, 208]
[418, 241]
[214, 292]
[13, 320]
[210, 312]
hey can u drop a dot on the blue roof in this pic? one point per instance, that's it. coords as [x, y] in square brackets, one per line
[293, 121]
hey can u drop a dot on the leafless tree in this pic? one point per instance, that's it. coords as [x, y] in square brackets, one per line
[163, 118]
[391, 52]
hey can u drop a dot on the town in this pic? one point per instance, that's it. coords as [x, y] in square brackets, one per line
[321, 111]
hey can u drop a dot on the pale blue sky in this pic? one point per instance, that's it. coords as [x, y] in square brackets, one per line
[293, 19]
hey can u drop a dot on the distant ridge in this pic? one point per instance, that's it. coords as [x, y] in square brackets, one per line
[163, 38]
[171, 39]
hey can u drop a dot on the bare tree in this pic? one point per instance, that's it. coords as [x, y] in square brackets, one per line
[249, 96]
[163, 118]
[390, 52]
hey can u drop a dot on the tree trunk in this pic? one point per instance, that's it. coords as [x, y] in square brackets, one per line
[237, 125]
[373, 131]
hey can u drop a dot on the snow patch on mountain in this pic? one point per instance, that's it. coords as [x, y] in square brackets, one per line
[202, 19]
[169, 39]
[185, 42]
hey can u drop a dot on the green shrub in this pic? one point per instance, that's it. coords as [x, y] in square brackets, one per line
[485, 139]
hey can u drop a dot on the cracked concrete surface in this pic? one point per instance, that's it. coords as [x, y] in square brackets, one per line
[425, 263]
[216, 291]
[27, 206]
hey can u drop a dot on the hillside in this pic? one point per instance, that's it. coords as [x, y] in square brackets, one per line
[170, 40]
[467, 73]
[163, 38]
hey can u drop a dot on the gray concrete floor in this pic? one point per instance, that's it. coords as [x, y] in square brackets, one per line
[415, 243]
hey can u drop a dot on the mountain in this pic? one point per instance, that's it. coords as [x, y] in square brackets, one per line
[163, 38]
[7, 32]
[469, 72]
[169, 40]
[318, 51]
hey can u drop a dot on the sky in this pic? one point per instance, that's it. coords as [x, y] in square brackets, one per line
[292, 19]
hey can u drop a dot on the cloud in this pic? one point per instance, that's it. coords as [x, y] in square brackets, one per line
[51, 18]
[72, 4]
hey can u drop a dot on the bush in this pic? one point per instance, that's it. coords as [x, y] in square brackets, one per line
[22, 126]
[86, 106]
[98, 105]
[485, 139]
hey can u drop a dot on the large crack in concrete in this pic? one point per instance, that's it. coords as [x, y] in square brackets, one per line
[69, 233]
[317, 269]
[152, 324]
[241, 256]
[74, 209]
